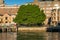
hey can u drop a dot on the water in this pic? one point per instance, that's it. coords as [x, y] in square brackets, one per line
[8, 36]
[38, 36]
[30, 36]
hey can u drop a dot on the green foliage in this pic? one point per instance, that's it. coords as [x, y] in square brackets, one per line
[29, 14]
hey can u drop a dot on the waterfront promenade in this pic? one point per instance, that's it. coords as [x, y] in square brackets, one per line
[32, 29]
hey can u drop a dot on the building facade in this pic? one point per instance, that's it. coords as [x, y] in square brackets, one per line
[7, 13]
[1, 2]
[48, 6]
[55, 17]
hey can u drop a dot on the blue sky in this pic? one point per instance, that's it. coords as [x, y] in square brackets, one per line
[18, 2]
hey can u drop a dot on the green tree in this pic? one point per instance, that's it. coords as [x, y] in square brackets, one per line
[30, 14]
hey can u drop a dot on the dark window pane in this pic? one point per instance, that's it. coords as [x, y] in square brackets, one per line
[6, 22]
[6, 18]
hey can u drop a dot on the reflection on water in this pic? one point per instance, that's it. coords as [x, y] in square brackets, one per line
[30, 36]
[53, 36]
[8, 36]
[38, 36]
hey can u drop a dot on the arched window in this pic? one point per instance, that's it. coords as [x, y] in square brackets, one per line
[6, 22]
[0, 20]
[6, 18]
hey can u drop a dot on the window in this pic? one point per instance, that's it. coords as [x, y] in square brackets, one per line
[6, 18]
[0, 20]
[6, 22]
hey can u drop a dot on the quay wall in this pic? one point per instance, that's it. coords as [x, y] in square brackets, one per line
[32, 29]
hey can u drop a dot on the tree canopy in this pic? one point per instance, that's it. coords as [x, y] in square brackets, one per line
[30, 14]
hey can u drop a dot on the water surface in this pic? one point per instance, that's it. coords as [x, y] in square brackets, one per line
[8, 36]
[38, 36]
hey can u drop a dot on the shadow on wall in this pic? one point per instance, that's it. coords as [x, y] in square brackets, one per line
[49, 21]
[0, 30]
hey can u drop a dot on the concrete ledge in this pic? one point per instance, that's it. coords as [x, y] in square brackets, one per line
[32, 29]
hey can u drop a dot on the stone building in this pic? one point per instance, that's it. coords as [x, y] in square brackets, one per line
[1, 2]
[7, 13]
[55, 16]
[48, 6]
